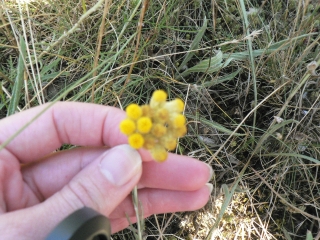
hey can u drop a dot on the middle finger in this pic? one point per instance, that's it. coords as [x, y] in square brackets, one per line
[177, 173]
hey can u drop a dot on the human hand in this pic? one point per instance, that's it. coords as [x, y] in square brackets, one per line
[40, 187]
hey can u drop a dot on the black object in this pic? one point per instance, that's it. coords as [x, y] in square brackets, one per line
[83, 224]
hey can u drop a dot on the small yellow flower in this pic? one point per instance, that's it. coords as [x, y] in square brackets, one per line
[149, 142]
[146, 111]
[136, 140]
[134, 111]
[162, 115]
[159, 153]
[144, 124]
[176, 105]
[158, 130]
[170, 143]
[180, 132]
[178, 120]
[127, 126]
[159, 96]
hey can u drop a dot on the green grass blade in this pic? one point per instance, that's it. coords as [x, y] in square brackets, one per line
[292, 155]
[286, 234]
[203, 66]
[309, 235]
[221, 79]
[49, 67]
[227, 199]
[215, 125]
[84, 6]
[281, 45]
[271, 131]
[16, 92]
[252, 64]
[194, 44]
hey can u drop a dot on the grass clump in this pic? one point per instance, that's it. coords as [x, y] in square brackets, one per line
[252, 105]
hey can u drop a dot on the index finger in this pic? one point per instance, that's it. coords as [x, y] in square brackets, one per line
[73, 123]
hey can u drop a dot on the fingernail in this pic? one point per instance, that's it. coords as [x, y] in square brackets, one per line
[211, 172]
[120, 164]
[210, 186]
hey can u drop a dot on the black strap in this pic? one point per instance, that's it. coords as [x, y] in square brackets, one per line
[83, 224]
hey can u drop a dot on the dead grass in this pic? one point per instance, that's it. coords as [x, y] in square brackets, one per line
[235, 77]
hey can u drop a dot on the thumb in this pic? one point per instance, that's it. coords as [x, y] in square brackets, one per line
[102, 185]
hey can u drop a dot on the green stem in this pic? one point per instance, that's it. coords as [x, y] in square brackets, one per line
[136, 205]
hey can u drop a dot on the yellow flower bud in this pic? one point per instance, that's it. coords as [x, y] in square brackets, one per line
[179, 132]
[136, 140]
[178, 120]
[134, 111]
[170, 143]
[158, 98]
[149, 142]
[127, 126]
[144, 124]
[176, 105]
[146, 111]
[159, 153]
[158, 130]
[162, 115]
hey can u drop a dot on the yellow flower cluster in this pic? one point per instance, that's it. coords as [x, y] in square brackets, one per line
[156, 126]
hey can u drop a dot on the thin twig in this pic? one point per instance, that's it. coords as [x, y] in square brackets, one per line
[139, 28]
[107, 4]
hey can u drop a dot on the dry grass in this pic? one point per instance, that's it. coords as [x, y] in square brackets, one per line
[235, 75]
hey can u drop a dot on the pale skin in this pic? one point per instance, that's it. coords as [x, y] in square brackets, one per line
[40, 186]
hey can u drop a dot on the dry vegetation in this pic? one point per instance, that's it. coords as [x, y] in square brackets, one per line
[252, 100]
